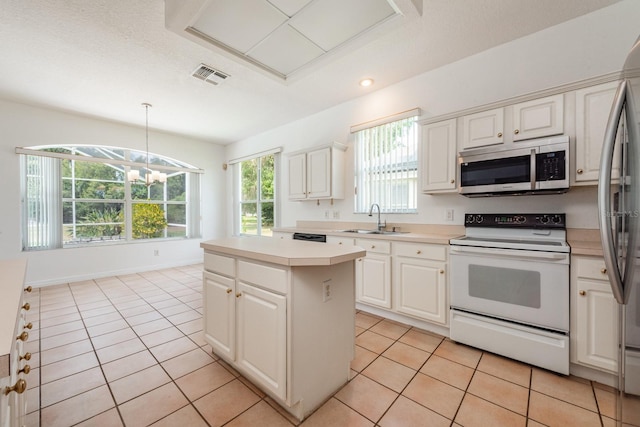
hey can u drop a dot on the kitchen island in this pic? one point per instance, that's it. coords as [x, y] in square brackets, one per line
[283, 314]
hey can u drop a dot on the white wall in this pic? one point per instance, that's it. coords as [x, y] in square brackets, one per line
[24, 125]
[589, 46]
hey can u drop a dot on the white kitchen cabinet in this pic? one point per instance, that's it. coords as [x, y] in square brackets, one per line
[420, 281]
[317, 174]
[219, 318]
[538, 118]
[282, 235]
[439, 161]
[373, 273]
[346, 241]
[483, 128]
[594, 331]
[593, 105]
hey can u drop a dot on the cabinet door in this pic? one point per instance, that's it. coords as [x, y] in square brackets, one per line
[592, 113]
[319, 173]
[439, 156]
[298, 176]
[597, 331]
[420, 289]
[484, 128]
[373, 280]
[262, 337]
[219, 316]
[538, 118]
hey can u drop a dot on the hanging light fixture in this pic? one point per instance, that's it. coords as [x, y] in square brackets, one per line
[150, 177]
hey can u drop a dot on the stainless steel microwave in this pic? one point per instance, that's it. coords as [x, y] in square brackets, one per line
[539, 166]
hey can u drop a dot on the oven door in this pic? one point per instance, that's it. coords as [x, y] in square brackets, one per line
[527, 287]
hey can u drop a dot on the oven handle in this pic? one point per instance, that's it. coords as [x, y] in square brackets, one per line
[517, 254]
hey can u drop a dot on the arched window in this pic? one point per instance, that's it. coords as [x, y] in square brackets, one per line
[79, 195]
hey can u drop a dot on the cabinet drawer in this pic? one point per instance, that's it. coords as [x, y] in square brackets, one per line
[420, 250]
[375, 246]
[590, 268]
[344, 241]
[219, 264]
[267, 277]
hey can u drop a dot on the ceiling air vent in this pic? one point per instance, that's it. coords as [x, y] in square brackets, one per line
[209, 74]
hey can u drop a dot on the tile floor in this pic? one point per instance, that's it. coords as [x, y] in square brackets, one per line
[129, 350]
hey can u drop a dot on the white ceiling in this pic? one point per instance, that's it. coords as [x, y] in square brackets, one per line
[105, 57]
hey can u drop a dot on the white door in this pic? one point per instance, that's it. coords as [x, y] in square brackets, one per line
[262, 337]
[219, 317]
[484, 128]
[319, 173]
[298, 176]
[373, 280]
[420, 288]
[538, 118]
[439, 156]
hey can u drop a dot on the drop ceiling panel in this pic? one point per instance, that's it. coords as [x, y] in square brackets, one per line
[290, 7]
[330, 23]
[285, 50]
[239, 24]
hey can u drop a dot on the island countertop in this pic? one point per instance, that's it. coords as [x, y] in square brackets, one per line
[284, 252]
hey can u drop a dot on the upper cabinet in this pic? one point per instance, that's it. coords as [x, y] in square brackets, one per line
[317, 173]
[592, 113]
[439, 157]
[532, 119]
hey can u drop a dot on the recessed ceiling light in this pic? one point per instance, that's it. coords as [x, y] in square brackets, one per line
[366, 82]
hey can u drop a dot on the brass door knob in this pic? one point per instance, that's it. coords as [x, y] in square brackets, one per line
[23, 336]
[239, 294]
[603, 271]
[28, 325]
[582, 293]
[26, 370]
[26, 306]
[229, 290]
[516, 131]
[19, 387]
[579, 171]
[27, 356]
[499, 134]
[28, 289]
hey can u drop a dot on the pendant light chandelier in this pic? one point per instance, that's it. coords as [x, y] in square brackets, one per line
[150, 177]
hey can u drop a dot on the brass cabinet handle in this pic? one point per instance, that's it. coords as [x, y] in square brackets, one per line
[19, 387]
[28, 289]
[27, 356]
[579, 171]
[239, 294]
[453, 181]
[28, 325]
[516, 131]
[359, 259]
[339, 243]
[441, 271]
[229, 290]
[499, 134]
[418, 252]
[26, 370]
[26, 306]
[603, 270]
[582, 293]
[23, 336]
[373, 246]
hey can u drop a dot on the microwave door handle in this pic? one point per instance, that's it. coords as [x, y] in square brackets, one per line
[533, 169]
[604, 193]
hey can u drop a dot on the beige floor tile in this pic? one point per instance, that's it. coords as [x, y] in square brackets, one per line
[500, 392]
[407, 355]
[190, 326]
[98, 312]
[112, 338]
[139, 310]
[60, 353]
[116, 351]
[362, 358]
[554, 412]
[173, 348]
[129, 302]
[33, 419]
[162, 336]
[187, 316]
[435, 395]
[166, 303]
[422, 340]
[66, 367]
[459, 353]
[204, 380]
[405, 412]
[45, 322]
[33, 396]
[374, 342]
[390, 329]
[448, 372]
[336, 413]
[359, 330]
[109, 418]
[152, 406]
[389, 373]
[63, 339]
[365, 321]
[103, 302]
[61, 329]
[68, 309]
[105, 328]
[78, 408]
[225, 403]
[476, 412]
[631, 410]
[564, 388]
[505, 368]
[174, 309]
[185, 417]
[143, 318]
[187, 362]
[140, 382]
[92, 321]
[153, 326]
[259, 414]
[128, 365]
[198, 338]
[366, 397]
[72, 385]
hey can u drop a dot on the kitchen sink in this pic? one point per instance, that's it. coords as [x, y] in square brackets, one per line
[365, 231]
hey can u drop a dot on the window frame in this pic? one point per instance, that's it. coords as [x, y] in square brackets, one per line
[259, 201]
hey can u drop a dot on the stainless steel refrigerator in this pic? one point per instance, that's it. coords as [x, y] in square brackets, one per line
[619, 213]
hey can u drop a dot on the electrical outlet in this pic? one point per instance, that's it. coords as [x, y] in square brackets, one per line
[336, 214]
[327, 214]
[326, 290]
[448, 214]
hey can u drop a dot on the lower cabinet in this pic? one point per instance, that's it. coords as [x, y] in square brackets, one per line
[373, 273]
[594, 330]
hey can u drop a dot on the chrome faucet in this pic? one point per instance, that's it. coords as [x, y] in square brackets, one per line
[380, 225]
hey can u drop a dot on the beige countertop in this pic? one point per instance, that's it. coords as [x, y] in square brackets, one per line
[283, 252]
[11, 289]
[584, 241]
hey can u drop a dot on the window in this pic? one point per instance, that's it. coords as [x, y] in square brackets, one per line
[386, 172]
[257, 195]
[78, 195]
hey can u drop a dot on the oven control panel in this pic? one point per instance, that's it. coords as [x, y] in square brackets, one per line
[539, 220]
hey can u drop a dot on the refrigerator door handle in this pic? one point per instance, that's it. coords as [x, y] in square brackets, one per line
[604, 193]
